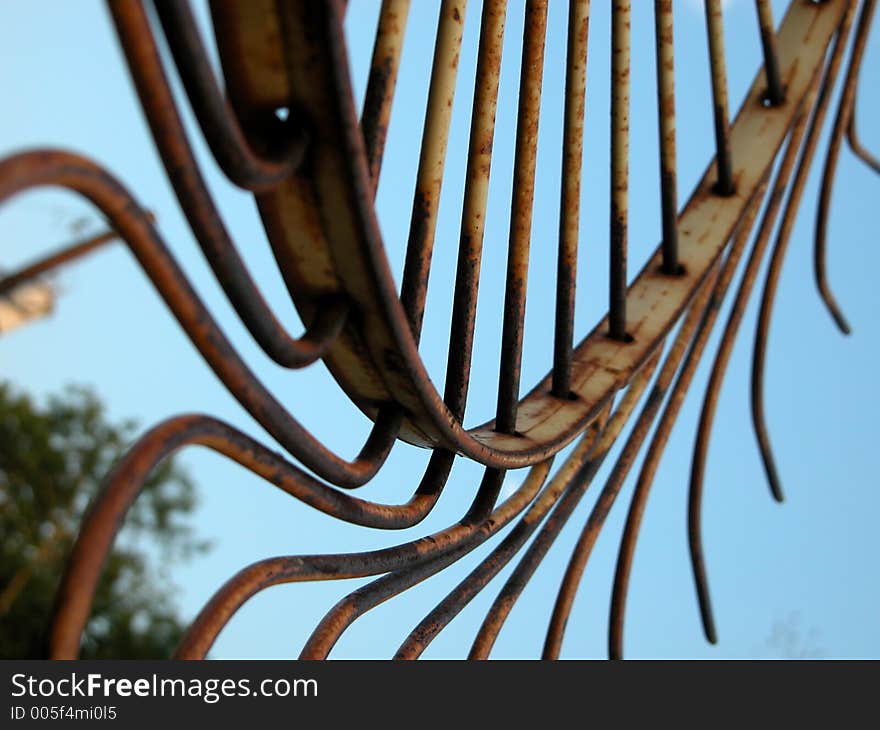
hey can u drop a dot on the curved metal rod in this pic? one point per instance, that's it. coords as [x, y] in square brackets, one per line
[765, 314]
[701, 315]
[844, 115]
[127, 479]
[855, 142]
[566, 488]
[37, 168]
[297, 569]
[226, 139]
[655, 452]
[145, 66]
[719, 367]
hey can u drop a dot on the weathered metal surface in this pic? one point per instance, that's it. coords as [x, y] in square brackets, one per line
[282, 124]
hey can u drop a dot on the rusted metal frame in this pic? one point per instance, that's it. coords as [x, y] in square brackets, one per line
[775, 90]
[525, 159]
[569, 207]
[721, 106]
[665, 59]
[649, 467]
[145, 65]
[619, 180]
[699, 315]
[297, 569]
[35, 269]
[389, 353]
[841, 123]
[37, 168]
[382, 82]
[281, 144]
[473, 216]
[567, 486]
[126, 481]
[771, 282]
[719, 366]
[429, 178]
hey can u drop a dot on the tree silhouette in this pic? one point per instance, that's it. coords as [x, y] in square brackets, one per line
[52, 460]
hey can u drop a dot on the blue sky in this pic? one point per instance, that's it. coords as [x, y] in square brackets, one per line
[808, 564]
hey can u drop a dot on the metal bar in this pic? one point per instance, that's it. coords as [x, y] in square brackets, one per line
[841, 123]
[528, 114]
[665, 51]
[620, 81]
[473, 215]
[382, 82]
[429, 179]
[723, 160]
[775, 89]
[569, 208]
[47, 263]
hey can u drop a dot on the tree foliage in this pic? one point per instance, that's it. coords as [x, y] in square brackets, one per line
[53, 458]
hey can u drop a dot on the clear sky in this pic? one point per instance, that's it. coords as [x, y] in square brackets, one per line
[796, 577]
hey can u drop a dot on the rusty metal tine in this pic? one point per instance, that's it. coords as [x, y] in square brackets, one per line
[569, 208]
[775, 89]
[719, 367]
[473, 216]
[723, 160]
[654, 454]
[382, 82]
[429, 179]
[774, 269]
[145, 65]
[665, 53]
[620, 83]
[841, 123]
[281, 153]
[528, 114]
